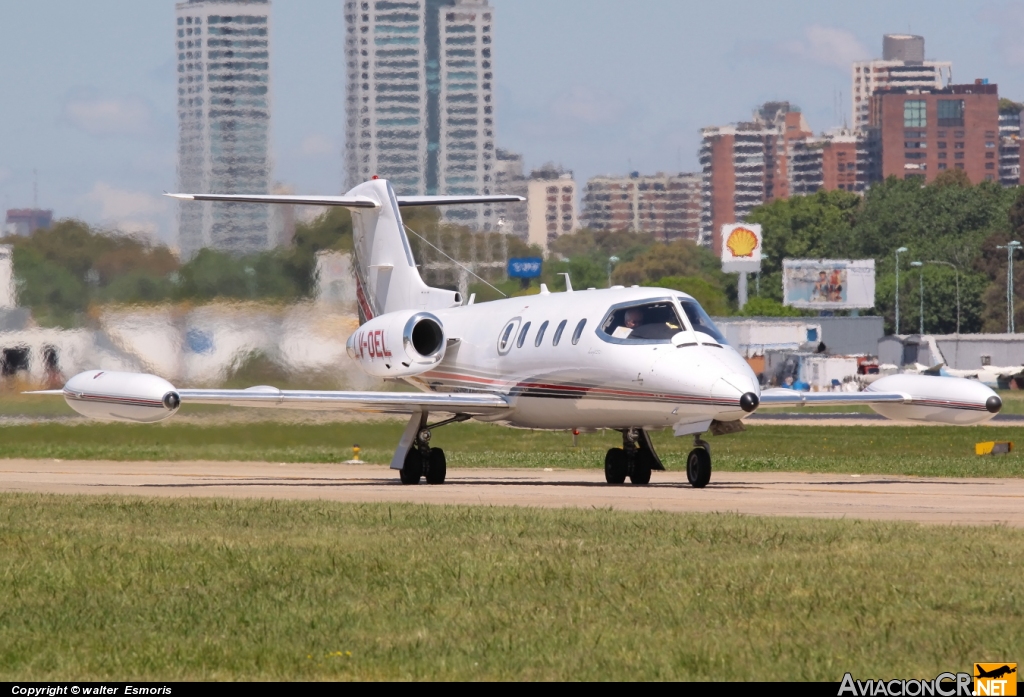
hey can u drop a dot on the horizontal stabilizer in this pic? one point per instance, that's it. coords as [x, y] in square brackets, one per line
[343, 201]
[455, 200]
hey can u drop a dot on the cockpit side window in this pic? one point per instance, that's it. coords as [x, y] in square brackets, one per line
[700, 320]
[643, 322]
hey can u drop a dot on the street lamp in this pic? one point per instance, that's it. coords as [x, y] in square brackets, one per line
[898, 252]
[919, 265]
[612, 261]
[957, 270]
[1010, 248]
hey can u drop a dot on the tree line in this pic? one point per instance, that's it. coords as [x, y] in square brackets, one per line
[954, 228]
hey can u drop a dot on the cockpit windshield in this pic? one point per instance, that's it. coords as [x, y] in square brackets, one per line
[646, 321]
[700, 321]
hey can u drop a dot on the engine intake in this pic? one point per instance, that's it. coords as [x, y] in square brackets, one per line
[398, 344]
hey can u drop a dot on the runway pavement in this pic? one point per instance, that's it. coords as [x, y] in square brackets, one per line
[942, 501]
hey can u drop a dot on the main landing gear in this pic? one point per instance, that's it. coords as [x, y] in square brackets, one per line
[635, 459]
[423, 461]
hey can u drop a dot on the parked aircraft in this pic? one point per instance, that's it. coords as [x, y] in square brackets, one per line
[629, 359]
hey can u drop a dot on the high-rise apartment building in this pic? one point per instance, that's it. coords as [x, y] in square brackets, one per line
[509, 178]
[223, 64]
[840, 159]
[667, 206]
[745, 165]
[1009, 143]
[551, 208]
[903, 66]
[419, 108]
[25, 221]
[924, 132]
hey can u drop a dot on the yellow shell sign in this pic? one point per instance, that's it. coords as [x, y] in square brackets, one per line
[742, 242]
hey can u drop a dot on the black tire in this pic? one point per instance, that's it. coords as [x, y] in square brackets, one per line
[615, 466]
[438, 467]
[412, 469]
[698, 467]
[642, 465]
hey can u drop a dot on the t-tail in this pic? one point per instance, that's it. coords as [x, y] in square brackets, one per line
[387, 279]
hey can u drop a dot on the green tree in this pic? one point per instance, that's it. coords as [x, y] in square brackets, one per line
[711, 296]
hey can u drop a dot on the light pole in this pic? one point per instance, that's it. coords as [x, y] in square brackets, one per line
[898, 252]
[1010, 248]
[920, 266]
[957, 270]
[612, 261]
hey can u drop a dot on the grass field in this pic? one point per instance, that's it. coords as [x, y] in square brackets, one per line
[136, 589]
[930, 451]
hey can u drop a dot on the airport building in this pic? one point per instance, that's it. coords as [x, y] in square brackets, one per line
[223, 64]
[922, 133]
[903, 66]
[419, 109]
[667, 206]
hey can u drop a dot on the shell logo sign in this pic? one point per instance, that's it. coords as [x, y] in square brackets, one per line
[741, 248]
[742, 242]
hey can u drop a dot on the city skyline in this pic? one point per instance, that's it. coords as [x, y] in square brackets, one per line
[595, 89]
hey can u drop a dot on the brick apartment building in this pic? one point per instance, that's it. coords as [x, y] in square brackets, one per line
[922, 133]
[664, 205]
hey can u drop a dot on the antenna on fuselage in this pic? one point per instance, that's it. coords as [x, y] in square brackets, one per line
[568, 283]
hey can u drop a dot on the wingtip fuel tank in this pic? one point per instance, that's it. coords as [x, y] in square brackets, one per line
[129, 397]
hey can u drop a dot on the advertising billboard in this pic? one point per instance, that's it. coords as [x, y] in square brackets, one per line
[741, 248]
[828, 284]
[524, 267]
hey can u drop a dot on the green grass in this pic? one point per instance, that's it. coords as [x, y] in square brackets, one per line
[99, 588]
[925, 451]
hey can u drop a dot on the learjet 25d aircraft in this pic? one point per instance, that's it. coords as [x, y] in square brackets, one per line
[629, 359]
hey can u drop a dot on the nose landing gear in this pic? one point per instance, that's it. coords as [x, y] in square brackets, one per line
[698, 464]
[635, 459]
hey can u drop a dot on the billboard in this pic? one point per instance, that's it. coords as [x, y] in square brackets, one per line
[741, 248]
[828, 284]
[524, 267]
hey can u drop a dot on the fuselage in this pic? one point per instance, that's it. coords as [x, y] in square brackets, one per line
[555, 358]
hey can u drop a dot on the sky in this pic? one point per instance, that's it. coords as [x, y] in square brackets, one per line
[598, 86]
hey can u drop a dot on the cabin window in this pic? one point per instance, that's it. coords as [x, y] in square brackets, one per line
[643, 322]
[522, 335]
[578, 332]
[700, 321]
[558, 332]
[540, 334]
[507, 336]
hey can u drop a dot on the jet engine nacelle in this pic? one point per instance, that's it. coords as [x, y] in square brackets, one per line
[131, 397]
[944, 400]
[398, 344]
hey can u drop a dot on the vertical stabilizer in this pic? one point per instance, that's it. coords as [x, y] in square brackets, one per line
[386, 275]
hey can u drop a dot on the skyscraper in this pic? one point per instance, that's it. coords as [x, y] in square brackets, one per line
[224, 122]
[419, 108]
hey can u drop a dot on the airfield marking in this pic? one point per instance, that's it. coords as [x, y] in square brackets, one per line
[921, 499]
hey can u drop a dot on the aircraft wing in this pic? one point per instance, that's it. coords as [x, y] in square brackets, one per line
[378, 402]
[781, 397]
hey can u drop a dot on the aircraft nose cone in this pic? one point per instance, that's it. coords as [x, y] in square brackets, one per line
[749, 402]
[994, 404]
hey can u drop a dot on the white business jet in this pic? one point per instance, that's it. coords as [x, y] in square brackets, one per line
[629, 359]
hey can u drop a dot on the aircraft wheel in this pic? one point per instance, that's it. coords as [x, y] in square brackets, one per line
[641, 468]
[615, 466]
[438, 467]
[698, 467]
[413, 467]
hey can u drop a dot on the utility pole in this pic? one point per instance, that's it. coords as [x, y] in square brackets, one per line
[1010, 248]
[919, 265]
[898, 252]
